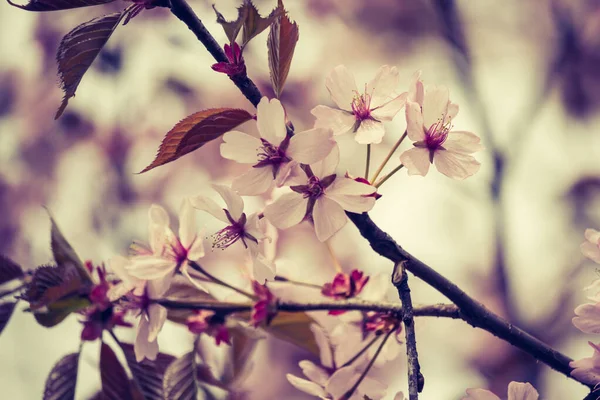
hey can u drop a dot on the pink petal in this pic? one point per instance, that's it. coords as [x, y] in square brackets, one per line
[414, 122]
[157, 315]
[416, 91]
[369, 132]
[329, 217]
[455, 165]
[240, 147]
[270, 118]
[435, 105]
[328, 165]
[480, 394]
[204, 203]
[388, 109]
[383, 85]
[587, 318]
[416, 161]
[254, 182]
[235, 203]
[522, 391]
[330, 118]
[463, 142]
[342, 87]
[287, 211]
[311, 146]
[306, 386]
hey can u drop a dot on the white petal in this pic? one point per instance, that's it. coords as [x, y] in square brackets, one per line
[399, 396]
[158, 215]
[455, 165]
[283, 173]
[342, 87]
[463, 142]
[480, 394]
[522, 391]
[452, 112]
[156, 288]
[255, 227]
[264, 270]
[306, 386]
[593, 236]
[235, 203]
[414, 122]
[587, 318]
[185, 272]
[157, 315]
[328, 165]
[435, 105]
[330, 118]
[270, 118]
[287, 211]
[240, 147]
[314, 372]
[373, 388]
[150, 267]
[351, 195]
[188, 231]
[254, 182]
[311, 146]
[416, 161]
[383, 84]
[369, 132]
[416, 91]
[144, 348]
[118, 265]
[196, 250]
[341, 380]
[386, 111]
[591, 251]
[329, 217]
[324, 345]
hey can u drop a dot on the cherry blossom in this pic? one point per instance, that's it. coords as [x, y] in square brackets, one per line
[205, 321]
[429, 115]
[588, 318]
[516, 391]
[322, 196]
[235, 65]
[588, 369]
[240, 228]
[591, 247]
[262, 311]
[275, 152]
[345, 286]
[361, 113]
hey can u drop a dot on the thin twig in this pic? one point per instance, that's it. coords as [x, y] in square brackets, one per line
[388, 176]
[387, 158]
[280, 278]
[361, 352]
[368, 163]
[197, 267]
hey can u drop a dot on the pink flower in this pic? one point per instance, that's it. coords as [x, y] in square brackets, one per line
[429, 122]
[263, 309]
[205, 321]
[247, 230]
[275, 152]
[322, 196]
[361, 113]
[516, 391]
[236, 65]
[587, 369]
[591, 247]
[344, 286]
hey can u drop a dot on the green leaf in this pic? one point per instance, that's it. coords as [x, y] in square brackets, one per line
[9, 270]
[6, 310]
[58, 311]
[55, 5]
[195, 131]
[62, 379]
[65, 256]
[147, 374]
[115, 382]
[281, 43]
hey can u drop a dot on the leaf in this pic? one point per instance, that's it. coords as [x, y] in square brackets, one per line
[65, 256]
[9, 270]
[179, 382]
[147, 374]
[6, 310]
[232, 28]
[294, 328]
[62, 380]
[248, 20]
[115, 382]
[54, 5]
[195, 131]
[79, 48]
[58, 311]
[281, 43]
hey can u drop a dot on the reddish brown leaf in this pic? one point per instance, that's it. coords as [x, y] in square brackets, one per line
[54, 5]
[179, 382]
[281, 44]
[147, 374]
[65, 256]
[79, 48]
[6, 310]
[115, 382]
[195, 131]
[249, 21]
[62, 380]
[9, 270]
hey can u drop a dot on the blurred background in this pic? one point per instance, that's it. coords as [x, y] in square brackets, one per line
[525, 74]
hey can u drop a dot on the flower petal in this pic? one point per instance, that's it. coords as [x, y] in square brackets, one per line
[369, 132]
[150, 267]
[235, 203]
[156, 288]
[329, 217]
[254, 182]
[157, 315]
[263, 269]
[522, 391]
[158, 215]
[325, 349]
[342, 87]
[587, 318]
[270, 118]
[591, 251]
[463, 142]
[287, 211]
[416, 91]
[480, 394]
[387, 110]
[311, 146]
[328, 165]
[381, 87]
[142, 347]
[204, 203]
[593, 236]
[306, 386]
[314, 372]
[339, 383]
[455, 165]
[330, 118]
[351, 195]
[255, 227]
[188, 230]
[240, 147]
[416, 161]
[435, 105]
[414, 122]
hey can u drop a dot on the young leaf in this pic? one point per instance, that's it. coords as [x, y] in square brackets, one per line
[294, 328]
[283, 37]
[195, 131]
[65, 256]
[79, 48]
[62, 380]
[179, 382]
[54, 5]
[147, 374]
[232, 28]
[249, 20]
[6, 310]
[9, 270]
[115, 382]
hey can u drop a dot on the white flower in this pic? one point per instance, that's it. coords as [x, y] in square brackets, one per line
[240, 228]
[168, 252]
[591, 247]
[587, 369]
[429, 117]
[357, 112]
[516, 391]
[276, 152]
[323, 196]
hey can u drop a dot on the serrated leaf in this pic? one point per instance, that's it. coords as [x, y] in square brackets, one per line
[6, 310]
[179, 382]
[9, 270]
[55, 5]
[232, 28]
[64, 255]
[195, 131]
[115, 382]
[147, 374]
[294, 328]
[79, 48]
[249, 21]
[58, 311]
[62, 379]
[281, 43]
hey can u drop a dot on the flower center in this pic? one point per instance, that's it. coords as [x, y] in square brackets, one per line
[437, 134]
[269, 154]
[231, 233]
[361, 106]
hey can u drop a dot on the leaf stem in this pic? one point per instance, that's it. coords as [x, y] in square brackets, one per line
[197, 267]
[387, 158]
[388, 176]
